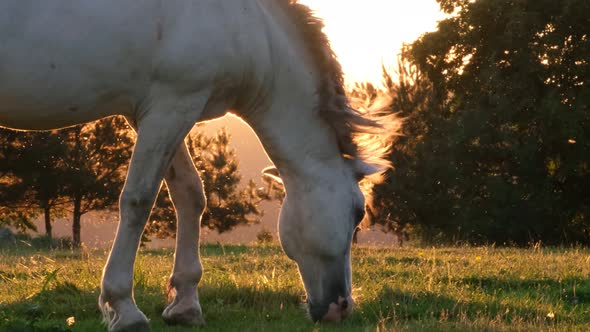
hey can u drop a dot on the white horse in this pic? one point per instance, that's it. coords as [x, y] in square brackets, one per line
[166, 65]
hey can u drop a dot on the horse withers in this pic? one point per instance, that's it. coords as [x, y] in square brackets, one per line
[166, 65]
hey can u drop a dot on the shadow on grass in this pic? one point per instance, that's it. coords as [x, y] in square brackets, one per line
[49, 309]
[229, 307]
[393, 306]
[264, 309]
[404, 260]
[218, 249]
[576, 288]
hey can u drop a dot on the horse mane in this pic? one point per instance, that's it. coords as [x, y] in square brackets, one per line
[366, 136]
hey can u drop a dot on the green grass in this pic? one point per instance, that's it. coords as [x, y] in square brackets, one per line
[256, 288]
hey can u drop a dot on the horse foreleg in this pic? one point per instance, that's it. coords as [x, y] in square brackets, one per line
[186, 192]
[161, 129]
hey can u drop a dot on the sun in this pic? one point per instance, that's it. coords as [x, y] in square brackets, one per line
[368, 34]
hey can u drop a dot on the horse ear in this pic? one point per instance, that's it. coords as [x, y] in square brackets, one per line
[363, 169]
[272, 173]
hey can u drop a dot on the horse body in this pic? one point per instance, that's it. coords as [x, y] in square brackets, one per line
[64, 65]
[166, 65]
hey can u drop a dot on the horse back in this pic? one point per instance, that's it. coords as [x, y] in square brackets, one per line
[66, 62]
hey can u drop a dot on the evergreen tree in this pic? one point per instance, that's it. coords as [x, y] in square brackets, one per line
[97, 158]
[227, 205]
[396, 203]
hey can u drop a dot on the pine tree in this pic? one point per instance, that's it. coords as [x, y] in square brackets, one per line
[228, 205]
[97, 157]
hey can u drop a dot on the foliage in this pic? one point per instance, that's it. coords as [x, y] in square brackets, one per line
[393, 203]
[18, 218]
[272, 190]
[408, 289]
[264, 237]
[228, 205]
[497, 146]
[32, 176]
[97, 157]
[81, 166]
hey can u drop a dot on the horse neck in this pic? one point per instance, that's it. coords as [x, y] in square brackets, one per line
[296, 138]
[298, 141]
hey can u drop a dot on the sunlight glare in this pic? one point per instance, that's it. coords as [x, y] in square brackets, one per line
[366, 34]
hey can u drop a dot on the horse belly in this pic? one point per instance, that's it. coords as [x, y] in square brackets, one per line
[23, 115]
[39, 96]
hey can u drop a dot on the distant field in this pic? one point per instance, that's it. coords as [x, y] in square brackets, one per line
[256, 288]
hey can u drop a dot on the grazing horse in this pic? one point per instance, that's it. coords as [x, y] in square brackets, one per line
[166, 65]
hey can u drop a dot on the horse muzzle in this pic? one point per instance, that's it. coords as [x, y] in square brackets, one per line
[333, 312]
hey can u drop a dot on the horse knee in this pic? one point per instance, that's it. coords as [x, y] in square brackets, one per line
[135, 208]
[134, 199]
[198, 196]
[191, 196]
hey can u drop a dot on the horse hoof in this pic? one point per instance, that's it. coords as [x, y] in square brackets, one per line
[132, 322]
[188, 317]
[140, 326]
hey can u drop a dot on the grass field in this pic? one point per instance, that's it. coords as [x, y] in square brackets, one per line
[256, 288]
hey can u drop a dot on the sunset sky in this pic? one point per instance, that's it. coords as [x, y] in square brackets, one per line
[366, 33]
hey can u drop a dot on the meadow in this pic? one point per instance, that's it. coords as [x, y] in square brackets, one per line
[256, 288]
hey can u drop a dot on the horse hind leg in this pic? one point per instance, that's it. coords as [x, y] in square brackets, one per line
[186, 191]
[160, 130]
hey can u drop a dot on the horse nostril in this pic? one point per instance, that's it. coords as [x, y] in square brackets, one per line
[344, 304]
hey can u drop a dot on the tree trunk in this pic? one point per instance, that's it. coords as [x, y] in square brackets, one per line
[76, 221]
[48, 227]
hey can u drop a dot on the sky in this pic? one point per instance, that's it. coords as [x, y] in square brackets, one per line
[366, 33]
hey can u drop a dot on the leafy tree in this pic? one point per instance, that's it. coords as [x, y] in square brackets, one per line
[46, 171]
[17, 217]
[33, 175]
[11, 191]
[390, 203]
[97, 157]
[227, 204]
[497, 146]
[397, 203]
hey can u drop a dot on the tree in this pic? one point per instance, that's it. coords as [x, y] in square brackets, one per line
[97, 157]
[227, 204]
[392, 202]
[46, 171]
[11, 190]
[33, 175]
[498, 149]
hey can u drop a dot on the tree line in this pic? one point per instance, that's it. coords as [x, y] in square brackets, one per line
[70, 171]
[73, 171]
